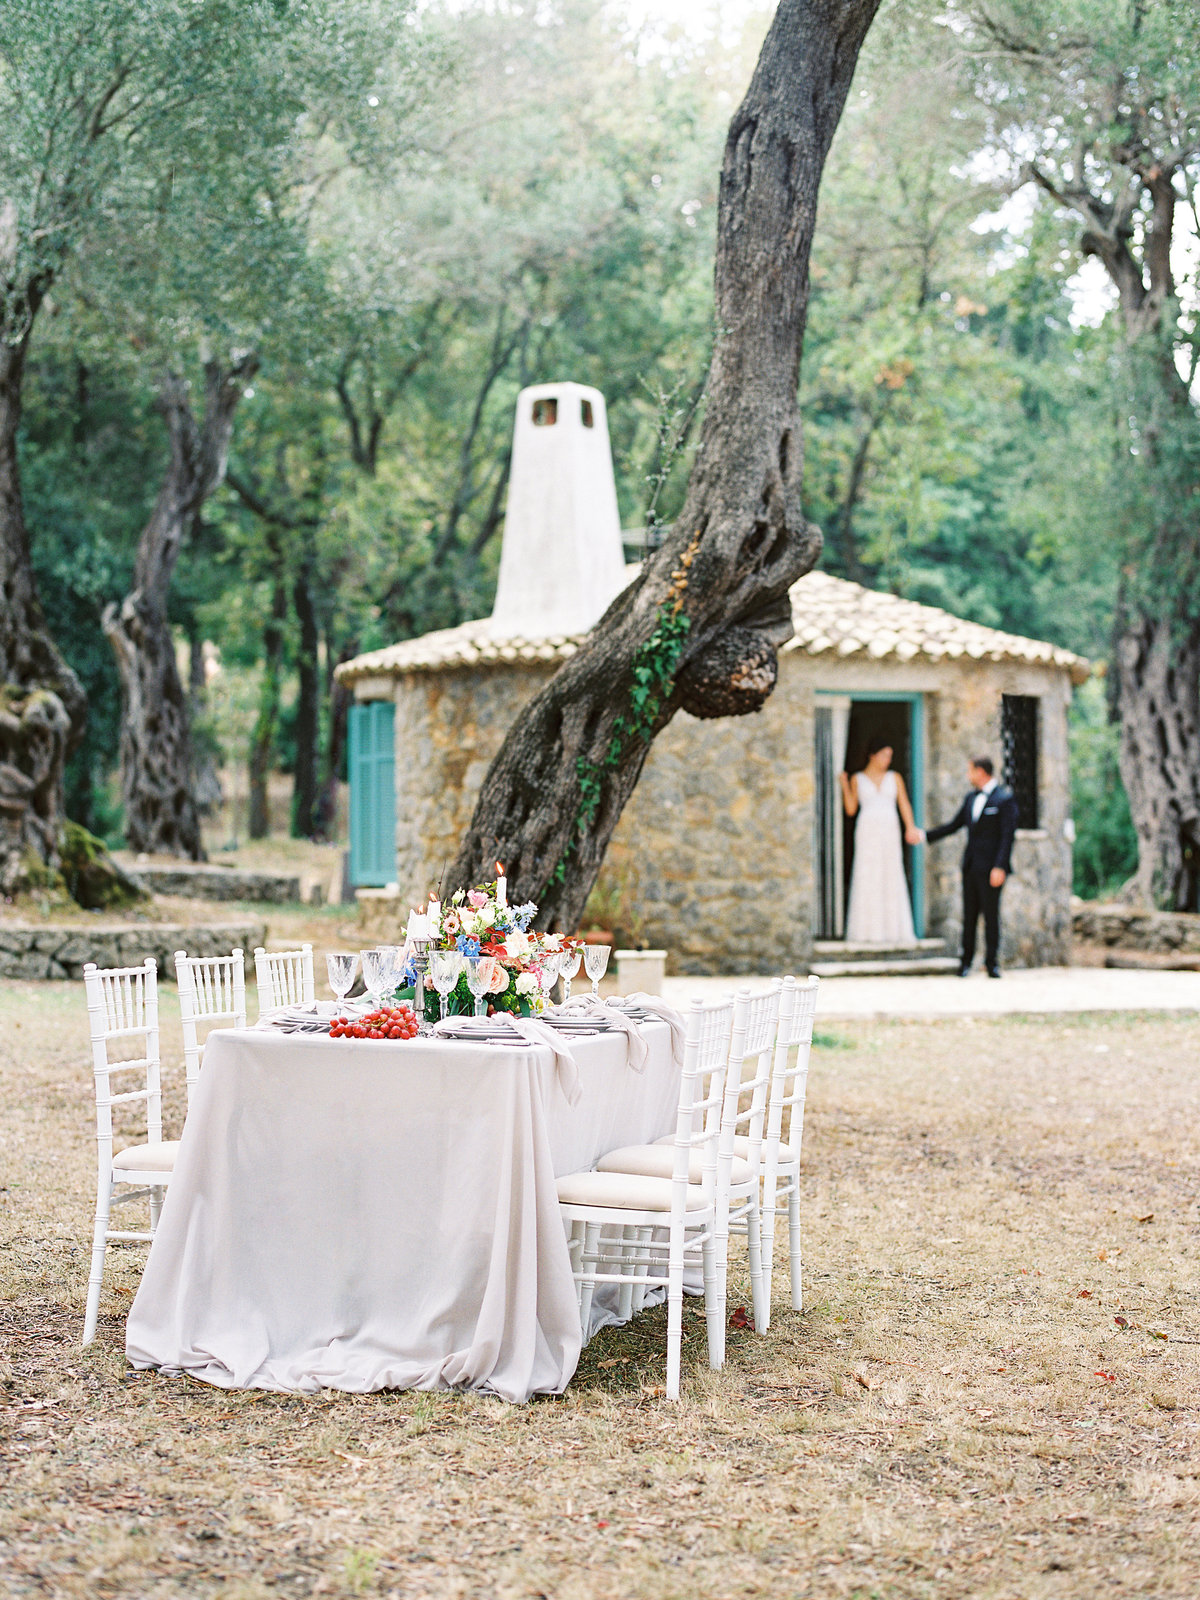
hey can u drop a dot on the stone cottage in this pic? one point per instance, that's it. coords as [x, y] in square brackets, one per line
[733, 847]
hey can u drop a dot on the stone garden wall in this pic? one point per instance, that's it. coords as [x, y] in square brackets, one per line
[50, 952]
[1123, 928]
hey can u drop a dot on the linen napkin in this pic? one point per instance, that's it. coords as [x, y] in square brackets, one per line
[534, 1032]
[658, 1007]
[310, 1018]
[586, 1005]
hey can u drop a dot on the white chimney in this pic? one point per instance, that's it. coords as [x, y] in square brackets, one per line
[561, 562]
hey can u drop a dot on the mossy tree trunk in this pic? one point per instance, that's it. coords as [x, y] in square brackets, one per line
[701, 625]
[42, 705]
[161, 815]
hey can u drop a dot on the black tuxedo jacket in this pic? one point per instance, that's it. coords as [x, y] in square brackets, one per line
[990, 840]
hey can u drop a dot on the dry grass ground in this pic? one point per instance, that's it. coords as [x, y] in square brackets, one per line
[956, 1414]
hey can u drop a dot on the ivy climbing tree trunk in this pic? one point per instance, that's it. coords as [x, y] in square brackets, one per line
[161, 816]
[701, 625]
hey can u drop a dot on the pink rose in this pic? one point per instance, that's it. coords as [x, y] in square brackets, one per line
[476, 899]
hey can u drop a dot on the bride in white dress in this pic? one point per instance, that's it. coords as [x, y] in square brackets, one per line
[879, 910]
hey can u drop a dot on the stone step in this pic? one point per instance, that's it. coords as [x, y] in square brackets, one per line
[842, 950]
[207, 881]
[913, 967]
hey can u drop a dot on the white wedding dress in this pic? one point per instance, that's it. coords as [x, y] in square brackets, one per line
[879, 910]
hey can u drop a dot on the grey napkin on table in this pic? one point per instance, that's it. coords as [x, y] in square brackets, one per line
[586, 1005]
[659, 1008]
[535, 1032]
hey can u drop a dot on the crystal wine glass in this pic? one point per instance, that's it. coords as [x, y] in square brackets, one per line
[568, 969]
[341, 966]
[444, 968]
[376, 965]
[551, 965]
[595, 964]
[481, 973]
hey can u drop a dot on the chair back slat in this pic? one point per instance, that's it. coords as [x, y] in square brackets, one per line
[212, 989]
[701, 1092]
[122, 1003]
[789, 1073]
[284, 978]
[755, 1023]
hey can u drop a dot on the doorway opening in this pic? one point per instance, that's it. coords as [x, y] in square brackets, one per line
[845, 727]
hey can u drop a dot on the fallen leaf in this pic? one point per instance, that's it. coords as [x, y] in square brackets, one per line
[1109, 1377]
[867, 1383]
[1121, 1322]
[614, 1361]
[1155, 1334]
[741, 1319]
[1149, 1217]
[1084, 1294]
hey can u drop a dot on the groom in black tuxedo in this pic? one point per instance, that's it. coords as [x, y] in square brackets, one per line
[989, 814]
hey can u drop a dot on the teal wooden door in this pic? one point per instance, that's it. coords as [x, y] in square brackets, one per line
[372, 794]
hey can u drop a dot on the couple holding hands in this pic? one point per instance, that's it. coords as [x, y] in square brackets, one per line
[879, 911]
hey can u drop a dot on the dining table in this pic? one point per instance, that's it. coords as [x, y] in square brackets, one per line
[375, 1214]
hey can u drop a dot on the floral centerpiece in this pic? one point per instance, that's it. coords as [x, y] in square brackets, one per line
[480, 922]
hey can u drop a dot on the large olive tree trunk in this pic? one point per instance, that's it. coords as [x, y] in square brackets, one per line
[42, 705]
[1156, 641]
[701, 625]
[161, 816]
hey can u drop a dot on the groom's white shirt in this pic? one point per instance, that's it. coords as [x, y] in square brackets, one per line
[981, 799]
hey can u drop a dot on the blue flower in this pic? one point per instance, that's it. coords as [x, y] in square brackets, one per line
[408, 978]
[524, 915]
[467, 947]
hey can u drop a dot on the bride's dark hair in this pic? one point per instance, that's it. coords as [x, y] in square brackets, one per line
[878, 743]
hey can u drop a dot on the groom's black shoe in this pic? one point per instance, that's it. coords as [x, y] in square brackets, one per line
[993, 972]
[964, 972]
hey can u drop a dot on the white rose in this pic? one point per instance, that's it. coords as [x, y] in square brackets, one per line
[526, 983]
[517, 944]
[553, 941]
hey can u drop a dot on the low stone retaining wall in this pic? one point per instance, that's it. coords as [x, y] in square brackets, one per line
[216, 883]
[50, 952]
[1125, 928]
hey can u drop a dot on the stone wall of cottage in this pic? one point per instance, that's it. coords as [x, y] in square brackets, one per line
[714, 853]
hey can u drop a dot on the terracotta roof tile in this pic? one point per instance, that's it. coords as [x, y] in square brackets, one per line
[830, 616]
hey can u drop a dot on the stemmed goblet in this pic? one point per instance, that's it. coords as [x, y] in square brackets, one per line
[444, 968]
[595, 964]
[376, 970]
[481, 974]
[341, 966]
[548, 971]
[569, 963]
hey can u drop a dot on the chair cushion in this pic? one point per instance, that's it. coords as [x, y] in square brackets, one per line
[741, 1150]
[621, 1191]
[658, 1161]
[147, 1157]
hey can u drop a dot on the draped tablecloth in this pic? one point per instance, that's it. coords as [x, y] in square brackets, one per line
[361, 1214]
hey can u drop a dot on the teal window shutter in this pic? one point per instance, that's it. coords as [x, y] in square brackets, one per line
[372, 794]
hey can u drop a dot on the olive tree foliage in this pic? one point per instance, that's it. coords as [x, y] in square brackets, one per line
[1097, 103]
[97, 99]
[552, 217]
[156, 161]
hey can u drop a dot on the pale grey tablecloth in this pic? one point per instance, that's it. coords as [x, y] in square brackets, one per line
[363, 1215]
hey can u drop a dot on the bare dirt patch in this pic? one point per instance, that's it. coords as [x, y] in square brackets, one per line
[1001, 1222]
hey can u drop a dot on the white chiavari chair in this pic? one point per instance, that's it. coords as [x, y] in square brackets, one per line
[212, 989]
[755, 1019]
[122, 1004]
[785, 1130]
[636, 1206]
[284, 978]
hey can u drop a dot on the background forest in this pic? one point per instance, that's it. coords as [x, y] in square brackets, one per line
[511, 193]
